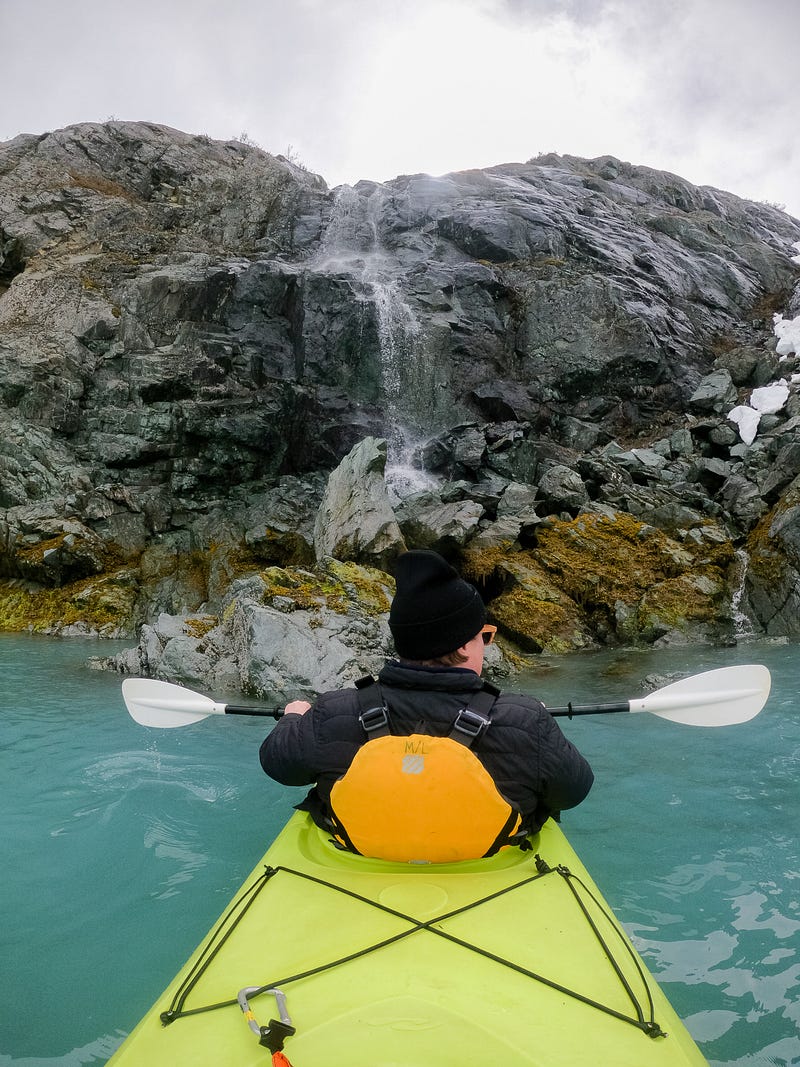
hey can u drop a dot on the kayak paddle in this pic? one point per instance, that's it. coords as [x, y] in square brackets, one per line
[162, 704]
[722, 697]
[715, 698]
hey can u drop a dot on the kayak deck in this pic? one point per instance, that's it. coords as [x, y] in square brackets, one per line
[515, 959]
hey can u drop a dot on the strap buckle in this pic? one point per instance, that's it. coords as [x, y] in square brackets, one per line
[374, 719]
[470, 723]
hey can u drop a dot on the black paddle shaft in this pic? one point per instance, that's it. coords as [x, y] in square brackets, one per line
[265, 713]
[589, 709]
[569, 711]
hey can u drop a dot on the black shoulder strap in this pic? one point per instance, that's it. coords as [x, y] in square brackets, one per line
[374, 715]
[470, 723]
[474, 720]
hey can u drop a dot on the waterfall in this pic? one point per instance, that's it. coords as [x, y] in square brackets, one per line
[742, 624]
[352, 245]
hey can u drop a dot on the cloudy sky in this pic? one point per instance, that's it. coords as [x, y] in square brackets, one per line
[708, 89]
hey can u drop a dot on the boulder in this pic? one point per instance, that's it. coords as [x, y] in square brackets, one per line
[283, 633]
[427, 522]
[519, 502]
[716, 392]
[562, 489]
[742, 500]
[530, 610]
[772, 580]
[355, 520]
[784, 470]
[279, 527]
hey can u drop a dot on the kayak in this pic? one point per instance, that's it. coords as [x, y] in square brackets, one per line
[327, 959]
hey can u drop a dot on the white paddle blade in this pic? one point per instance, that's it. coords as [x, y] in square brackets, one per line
[715, 698]
[164, 705]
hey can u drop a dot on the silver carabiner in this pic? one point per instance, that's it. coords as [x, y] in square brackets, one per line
[277, 1030]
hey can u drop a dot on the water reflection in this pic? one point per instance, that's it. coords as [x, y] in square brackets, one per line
[131, 843]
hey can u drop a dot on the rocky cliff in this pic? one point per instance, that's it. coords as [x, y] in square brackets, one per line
[195, 334]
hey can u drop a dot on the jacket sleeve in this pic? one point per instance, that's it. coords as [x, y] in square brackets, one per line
[285, 752]
[565, 776]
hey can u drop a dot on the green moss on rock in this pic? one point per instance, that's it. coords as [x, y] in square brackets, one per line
[104, 605]
[334, 588]
[600, 578]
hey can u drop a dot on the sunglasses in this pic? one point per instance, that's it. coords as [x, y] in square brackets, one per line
[487, 633]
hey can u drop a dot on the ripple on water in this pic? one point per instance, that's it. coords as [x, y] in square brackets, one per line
[747, 953]
[97, 1051]
[124, 772]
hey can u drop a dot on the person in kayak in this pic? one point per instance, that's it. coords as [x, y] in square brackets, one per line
[432, 691]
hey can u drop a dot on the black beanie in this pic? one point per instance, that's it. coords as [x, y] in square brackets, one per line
[434, 611]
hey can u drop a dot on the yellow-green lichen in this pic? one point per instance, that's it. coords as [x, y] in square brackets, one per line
[600, 577]
[540, 625]
[766, 564]
[302, 589]
[334, 588]
[198, 626]
[104, 605]
[370, 588]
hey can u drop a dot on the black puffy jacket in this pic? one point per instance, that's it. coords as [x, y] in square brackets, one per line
[530, 760]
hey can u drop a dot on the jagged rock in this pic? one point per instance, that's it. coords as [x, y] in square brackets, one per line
[503, 531]
[723, 436]
[355, 519]
[716, 392]
[282, 634]
[641, 463]
[785, 468]
[499, 400]
[710, 473]
[426, 522]
[742, 500]
[48, 547]
[749, 365]
[459, 452]
[623, 573]
[280, 527]
[562, 489]
[581, 435]
[681, 610]
[517, 460]
[488, 492]
[681, 442]
[282, 654]
[519, 502]
[531, 610]
[772, 580]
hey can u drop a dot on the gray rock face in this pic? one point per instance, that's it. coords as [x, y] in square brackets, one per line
[310, 635]
[195, 334]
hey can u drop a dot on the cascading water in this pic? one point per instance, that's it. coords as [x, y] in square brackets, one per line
[742, 624]
[352, 245]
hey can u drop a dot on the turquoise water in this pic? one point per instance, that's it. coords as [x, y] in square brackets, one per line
[122, 845]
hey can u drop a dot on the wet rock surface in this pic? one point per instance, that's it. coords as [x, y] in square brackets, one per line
[212, 367]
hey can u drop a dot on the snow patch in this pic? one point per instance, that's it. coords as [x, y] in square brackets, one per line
[788, 333]
[747, 419]
[769, 399]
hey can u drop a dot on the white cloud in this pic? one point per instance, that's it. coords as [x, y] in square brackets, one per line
[705, 88]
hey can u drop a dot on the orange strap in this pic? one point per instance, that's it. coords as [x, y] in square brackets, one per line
[279, 1060]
